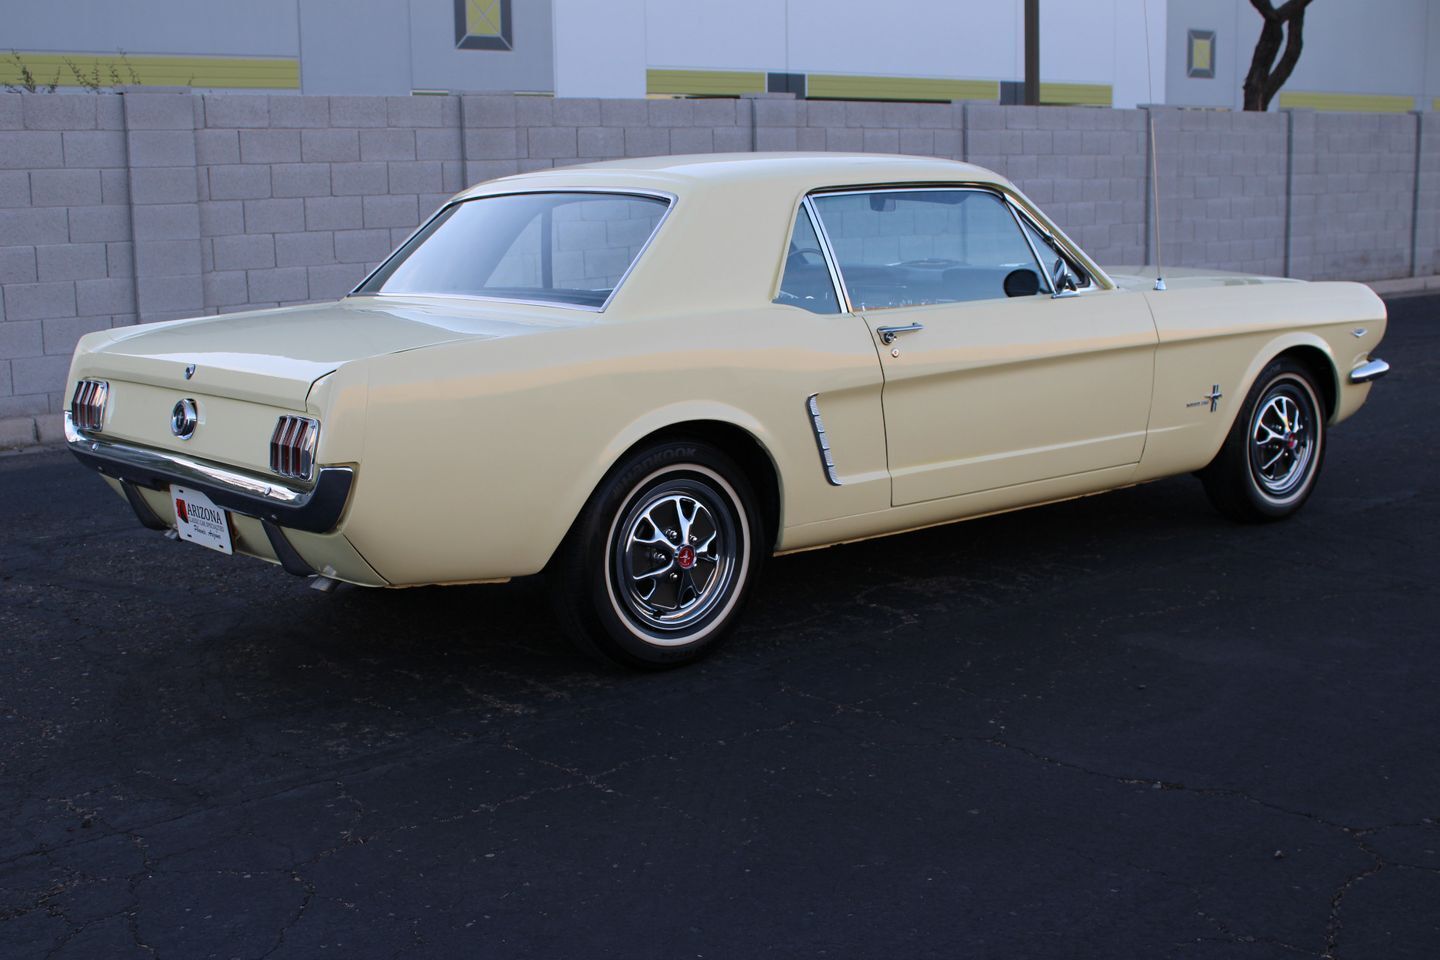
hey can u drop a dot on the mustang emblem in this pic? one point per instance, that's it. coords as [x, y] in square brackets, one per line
[189, 371]
[1212, 398]
[184, 418]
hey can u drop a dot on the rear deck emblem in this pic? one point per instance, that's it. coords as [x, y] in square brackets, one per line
[189, 371]
[184, 418]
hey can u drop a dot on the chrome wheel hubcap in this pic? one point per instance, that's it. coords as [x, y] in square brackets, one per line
[1282, 441]
[674, 555]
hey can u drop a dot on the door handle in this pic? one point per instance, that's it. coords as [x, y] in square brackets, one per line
[888, 334]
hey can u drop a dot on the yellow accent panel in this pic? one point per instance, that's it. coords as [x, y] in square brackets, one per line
[1076, 94]
[482, 18]
[722, 83]
[252, 73]
[1200, 54]
[850, 87]
[1358, 102]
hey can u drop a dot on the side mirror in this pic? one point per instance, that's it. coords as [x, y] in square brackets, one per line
[1022, 283]
[1060, 279]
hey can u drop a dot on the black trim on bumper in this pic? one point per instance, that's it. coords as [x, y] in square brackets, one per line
[285, 552]
[143, 513]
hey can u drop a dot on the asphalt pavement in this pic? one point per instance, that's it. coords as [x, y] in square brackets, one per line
[1115, 727]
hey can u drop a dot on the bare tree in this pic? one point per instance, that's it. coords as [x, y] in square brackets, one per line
[1262, 83]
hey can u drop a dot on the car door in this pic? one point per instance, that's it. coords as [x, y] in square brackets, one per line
[990, 381]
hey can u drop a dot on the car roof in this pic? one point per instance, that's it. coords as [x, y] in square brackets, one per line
[783, 172]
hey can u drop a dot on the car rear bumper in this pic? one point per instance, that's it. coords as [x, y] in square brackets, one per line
[316, 509]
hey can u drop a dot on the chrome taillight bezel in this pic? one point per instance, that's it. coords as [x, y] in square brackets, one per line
[292, 447]
[87, 405]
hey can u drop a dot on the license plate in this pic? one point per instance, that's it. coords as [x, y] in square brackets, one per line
[198, 520]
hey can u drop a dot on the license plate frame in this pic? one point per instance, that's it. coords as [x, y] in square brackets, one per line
[199, 520]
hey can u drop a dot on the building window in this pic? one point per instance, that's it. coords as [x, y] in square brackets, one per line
[1200, 54]
[483, 25]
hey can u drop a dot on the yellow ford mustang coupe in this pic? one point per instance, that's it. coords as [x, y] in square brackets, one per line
[645, 377]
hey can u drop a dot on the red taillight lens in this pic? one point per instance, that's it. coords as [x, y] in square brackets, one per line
[87, 406]
[292, 447]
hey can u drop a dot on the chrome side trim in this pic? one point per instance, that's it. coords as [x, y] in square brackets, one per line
[315, 510]
[1367, 372]
[822, 441]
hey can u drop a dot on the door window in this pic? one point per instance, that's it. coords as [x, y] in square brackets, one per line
[899, 248]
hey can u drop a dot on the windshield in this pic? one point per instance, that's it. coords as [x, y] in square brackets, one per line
[564, 248]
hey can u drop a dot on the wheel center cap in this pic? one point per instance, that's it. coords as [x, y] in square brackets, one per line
[1291, 441]
[685, 557]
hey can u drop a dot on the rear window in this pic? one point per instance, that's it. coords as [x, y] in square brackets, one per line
[562, 248]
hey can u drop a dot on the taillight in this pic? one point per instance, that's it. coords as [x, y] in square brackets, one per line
[292, 447]
[87, 406]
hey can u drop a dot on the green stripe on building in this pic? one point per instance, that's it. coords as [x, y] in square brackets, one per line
[1077, 94]
[704, 83]
[238, 73]
[851, 87]
[1348, 102]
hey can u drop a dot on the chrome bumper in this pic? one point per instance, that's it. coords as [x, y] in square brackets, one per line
[1367, 372]
[314, 510]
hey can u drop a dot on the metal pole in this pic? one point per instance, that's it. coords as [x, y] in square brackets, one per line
[1032, 53]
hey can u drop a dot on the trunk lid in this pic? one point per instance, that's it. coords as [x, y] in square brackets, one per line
[275, 356]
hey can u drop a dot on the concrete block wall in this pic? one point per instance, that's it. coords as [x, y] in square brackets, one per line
[152, 205]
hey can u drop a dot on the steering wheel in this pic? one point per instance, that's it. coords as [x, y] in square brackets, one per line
[802, 252]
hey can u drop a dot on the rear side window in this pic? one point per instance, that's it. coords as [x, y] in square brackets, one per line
[564, 248]
[901, 248]
[806, 282]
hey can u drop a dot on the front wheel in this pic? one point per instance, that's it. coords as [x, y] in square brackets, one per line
[658, 565]
[1268, 465]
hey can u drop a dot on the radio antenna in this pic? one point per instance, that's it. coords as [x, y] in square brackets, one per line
[1154, 156]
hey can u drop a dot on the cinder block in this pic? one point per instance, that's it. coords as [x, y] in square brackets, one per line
[236, 110]
[93, 148]
[39, 301]
[169, 297]
[719, 112]
[732, 139]
[478, 171]
[576, 112]
[225, 288]
[61, 187]
[391, 212]
[882, 141]
[70, 261]
[358, 179]
[12, 117]
[58, 112]
[334, 281]
[423, 111]
[17, 265]
[844, 139]
[274, 216]
[441, 144]
[534, 112]
[40, 374]
[21, 338]
[109, 296]
[776, 138]
[673, 113]
[861, 114]
[416, 177]
[304, 249]
[161, 148]
[220, 218]
[6, 386]
[161, 185]
[14, 188]
[217, 146]
[60, 333]
[646, 141]
[165, 258]
[497, 143]
[552, 142]
[115, 186]
[300, 112]
[31, 225]
[159, 111]
[489, 111]
[31, 150]
[387, 144]
[692, 140]
[918, 142]
[166, 221]
[357, 112]
[300, 179]
[809, 138]
[362, 246]
[269, 146]
[274, 286]
[16, 431]
[329, 145]
[624, 113]
[601, 142]
[333, 213]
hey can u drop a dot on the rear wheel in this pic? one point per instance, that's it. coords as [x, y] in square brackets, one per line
[658, 565]
[1267, 468]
